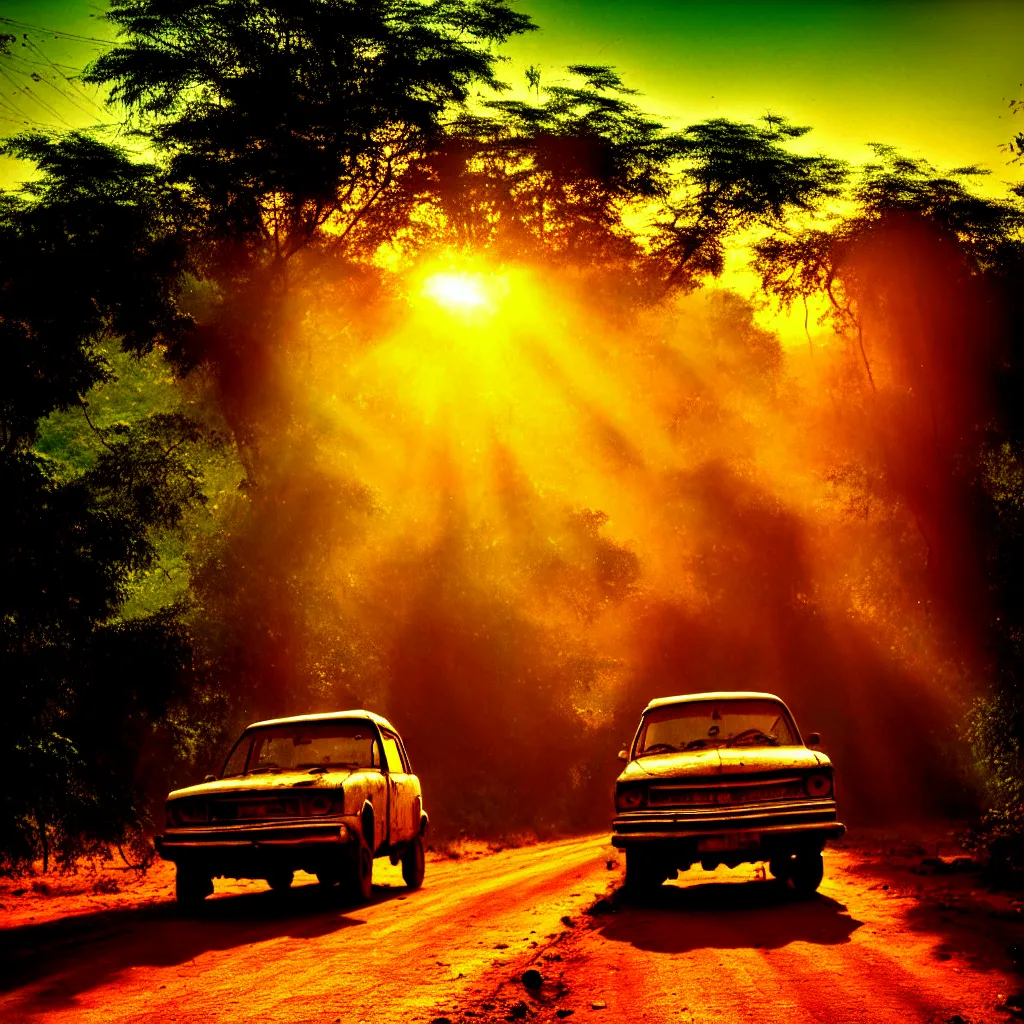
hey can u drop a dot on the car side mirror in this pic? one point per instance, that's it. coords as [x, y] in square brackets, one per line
[814, 739]
[210, 778]
[623, 755]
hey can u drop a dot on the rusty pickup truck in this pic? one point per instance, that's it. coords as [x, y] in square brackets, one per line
[723, 778]
[322, 793]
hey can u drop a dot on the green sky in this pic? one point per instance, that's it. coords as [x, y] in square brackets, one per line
[933, 78]
[929, 76]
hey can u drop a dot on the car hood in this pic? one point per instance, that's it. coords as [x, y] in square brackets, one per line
[724, 761]
[266, 784]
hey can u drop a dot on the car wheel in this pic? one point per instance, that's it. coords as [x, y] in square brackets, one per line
[644, 873]
[414, 863]
[191, 887]
[801, 872]
[279, 881]
[358, 884]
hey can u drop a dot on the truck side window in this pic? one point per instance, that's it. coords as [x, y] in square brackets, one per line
[391, 753]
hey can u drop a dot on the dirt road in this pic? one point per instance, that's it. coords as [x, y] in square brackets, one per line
[878, 944]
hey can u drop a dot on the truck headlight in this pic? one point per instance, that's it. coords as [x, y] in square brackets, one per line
[186, 812]
[319, 805]
[630, 798]
[819, 785]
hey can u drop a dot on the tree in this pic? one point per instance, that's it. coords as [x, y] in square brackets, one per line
[83, 686]
[554, 181]
[925, 275]
[738, 177]
[584, 178]
[294, 126]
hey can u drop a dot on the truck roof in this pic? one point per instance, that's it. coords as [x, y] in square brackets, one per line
[689, 698]
[329, 716]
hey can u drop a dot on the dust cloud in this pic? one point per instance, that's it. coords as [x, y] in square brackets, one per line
[506, 512]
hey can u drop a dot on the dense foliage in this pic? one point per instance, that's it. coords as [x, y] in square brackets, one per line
[89, 252]
[238, 540]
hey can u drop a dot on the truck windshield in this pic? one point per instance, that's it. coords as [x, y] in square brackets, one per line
[703, 725]
[304, 746]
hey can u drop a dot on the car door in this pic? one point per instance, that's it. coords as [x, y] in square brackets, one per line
[400, 790]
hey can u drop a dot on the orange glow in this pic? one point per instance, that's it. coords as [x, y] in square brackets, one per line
[653, 497]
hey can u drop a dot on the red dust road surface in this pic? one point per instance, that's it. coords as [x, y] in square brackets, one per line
[880, 943]
[886, 940]
[252, 954]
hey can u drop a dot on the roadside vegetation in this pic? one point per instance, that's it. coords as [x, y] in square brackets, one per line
[249, 469]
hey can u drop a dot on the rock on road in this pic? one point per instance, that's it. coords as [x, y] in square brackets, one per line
[878, 944]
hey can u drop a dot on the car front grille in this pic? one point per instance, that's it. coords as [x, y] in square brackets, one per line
[727, 792]
[254, 809]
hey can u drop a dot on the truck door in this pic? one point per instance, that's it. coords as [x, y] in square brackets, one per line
[400, 791]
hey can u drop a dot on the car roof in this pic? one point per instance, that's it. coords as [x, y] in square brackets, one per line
[689, 698]
[329, 716]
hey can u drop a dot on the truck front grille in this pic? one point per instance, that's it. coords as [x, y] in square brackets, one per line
[254, 810]
[727, 793]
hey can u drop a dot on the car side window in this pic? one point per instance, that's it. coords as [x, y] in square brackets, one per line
[392, 754]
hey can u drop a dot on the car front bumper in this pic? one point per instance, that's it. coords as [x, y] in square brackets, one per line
[769, 824]
[217, 840]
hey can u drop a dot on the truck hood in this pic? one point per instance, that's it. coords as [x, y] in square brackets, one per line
[269, 783]
[724, 761]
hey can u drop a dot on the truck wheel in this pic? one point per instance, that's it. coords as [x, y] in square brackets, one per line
[279, 881]
[358, 882]
[644, 873]
[806, 873]
[414, 863]
[800, 872]
[191, 887]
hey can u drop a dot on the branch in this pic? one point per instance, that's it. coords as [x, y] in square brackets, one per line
[83, 405]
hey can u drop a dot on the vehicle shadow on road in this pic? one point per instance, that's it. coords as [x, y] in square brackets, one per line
[63, 958]
[726, 915]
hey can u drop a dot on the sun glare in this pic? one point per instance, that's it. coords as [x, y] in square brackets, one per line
[456, 291]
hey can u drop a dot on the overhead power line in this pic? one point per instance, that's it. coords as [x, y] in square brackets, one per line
[31, 64]
[71, 83]
[55, 32]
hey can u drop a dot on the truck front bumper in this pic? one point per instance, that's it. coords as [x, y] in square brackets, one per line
[208, 842]
[731, 827]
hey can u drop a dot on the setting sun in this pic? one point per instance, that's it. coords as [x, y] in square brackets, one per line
[456, 290]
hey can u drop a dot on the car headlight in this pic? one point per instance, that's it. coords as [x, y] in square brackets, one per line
[186, 812]
[630, 798]
[320, 804]
[819, 785]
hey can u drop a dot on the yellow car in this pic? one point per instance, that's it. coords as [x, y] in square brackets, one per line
[723, 778]
[322, 793]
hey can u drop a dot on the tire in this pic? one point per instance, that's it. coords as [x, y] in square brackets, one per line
[358, 880]
[281, 881]
[806, 873]
[801, 873]
[191, 887]
[414, 863]
[644, 873]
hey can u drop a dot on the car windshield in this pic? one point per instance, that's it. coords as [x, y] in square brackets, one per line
[304, 746]
[710, 724]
